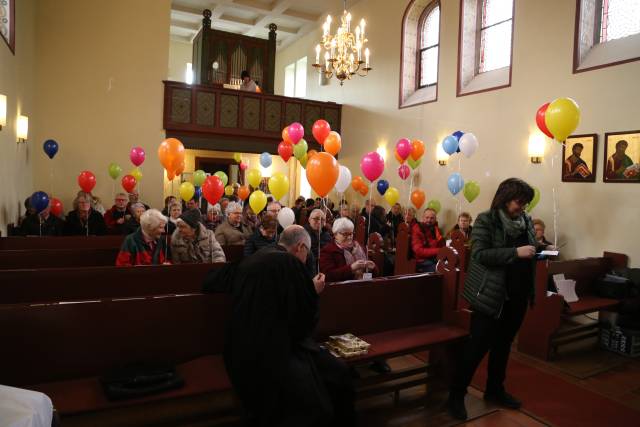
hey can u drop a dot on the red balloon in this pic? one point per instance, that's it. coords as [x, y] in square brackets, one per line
[540, 120]
[129, 183]
[320, 130]
[86, 181]
[285, 149]
[243, 166]
[56, 207]
[212, 189]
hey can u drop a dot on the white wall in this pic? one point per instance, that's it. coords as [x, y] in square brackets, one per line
[591, 217]
[179, 54]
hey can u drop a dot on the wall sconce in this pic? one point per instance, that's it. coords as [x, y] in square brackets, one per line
[22, 128]
[3, 111]
[536, 147]
[382, 150]
[441, 155]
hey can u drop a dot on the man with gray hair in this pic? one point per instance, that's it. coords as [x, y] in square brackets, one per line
[279, 372]
[144, 246]
[232, 231]
[316, 229]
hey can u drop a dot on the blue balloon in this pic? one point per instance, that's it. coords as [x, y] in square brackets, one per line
[450, 144]
[198, 193]
[383, 185]
[50, 147]
[455, 183]
[39, 201]
[457, 134]
[265, 160]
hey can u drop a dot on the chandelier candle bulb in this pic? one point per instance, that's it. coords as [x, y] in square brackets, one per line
[348, 22]
[366, 58]
[317, 54]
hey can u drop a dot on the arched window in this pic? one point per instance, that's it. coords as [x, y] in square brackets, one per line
[485, 45]
[607, 33]
[419, 53]
[429, 45]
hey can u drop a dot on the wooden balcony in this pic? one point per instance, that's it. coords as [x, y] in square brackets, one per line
[214, 118]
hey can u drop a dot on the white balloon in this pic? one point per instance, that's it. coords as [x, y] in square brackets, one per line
[344, 179]
[286, 217]
[468, 144]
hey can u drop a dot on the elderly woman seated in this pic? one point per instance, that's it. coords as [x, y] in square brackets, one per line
[144, 246]
[132, 223]
[83, 220]
[192, 242]
[344, 258]
[175, 210]
[539, 227]
[265, 235]
[233, 231]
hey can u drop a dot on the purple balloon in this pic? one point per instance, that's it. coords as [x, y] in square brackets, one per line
[458, 134]
[296, 132]
[404, 171]
[403, 147]
[372, 165]
[137, 156]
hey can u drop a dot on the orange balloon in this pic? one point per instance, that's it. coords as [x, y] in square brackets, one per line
[243, 192]
[322, 173]
[311, 153]
[285, 135]
[398, 158]
[417, 198]
[357, 183]
[333, 143]
[171, 175]
[417, 149]
[363, 190]
[171, 154]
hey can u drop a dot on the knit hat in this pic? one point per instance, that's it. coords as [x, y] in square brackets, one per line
[192, 217]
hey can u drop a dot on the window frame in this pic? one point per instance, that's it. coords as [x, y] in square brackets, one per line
[479, 31]
[596, 41]
[421, 24]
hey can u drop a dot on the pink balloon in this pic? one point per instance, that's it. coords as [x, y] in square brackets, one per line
[243, 166]
[296, 132]
[404, 171]
[372, 165]
[403, 147]
[137, 156]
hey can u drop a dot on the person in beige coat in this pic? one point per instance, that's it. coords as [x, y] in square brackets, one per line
[192, 242]
[232, 231]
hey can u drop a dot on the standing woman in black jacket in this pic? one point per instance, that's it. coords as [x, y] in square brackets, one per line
[499, 285]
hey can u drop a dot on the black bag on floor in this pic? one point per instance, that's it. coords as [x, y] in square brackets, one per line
[140, 380]
[614, 287]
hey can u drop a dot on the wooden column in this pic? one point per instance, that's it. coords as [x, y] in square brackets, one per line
[270, 69]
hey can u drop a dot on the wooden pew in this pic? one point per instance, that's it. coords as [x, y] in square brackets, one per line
[359, 230]
[52, 258]
[405, 263]
[62, 242]
[62, 349]
[376, 253]
[541, 334]
[94, 283]
[233, 253]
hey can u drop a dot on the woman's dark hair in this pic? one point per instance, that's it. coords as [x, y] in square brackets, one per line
[244, 74]
[378, 212]
[512, 189]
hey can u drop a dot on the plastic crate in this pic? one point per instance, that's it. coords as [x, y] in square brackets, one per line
[620, 340]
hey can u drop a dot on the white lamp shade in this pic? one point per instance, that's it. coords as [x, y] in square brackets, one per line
[3, 110]
[536, 145]
[23, 127]
[441, 155]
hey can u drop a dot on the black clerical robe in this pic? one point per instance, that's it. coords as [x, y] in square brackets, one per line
[280, 374]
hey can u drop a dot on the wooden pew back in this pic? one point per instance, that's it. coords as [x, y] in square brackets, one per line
[51, 342]
[61, 242]
[404, 263]
[57, 258]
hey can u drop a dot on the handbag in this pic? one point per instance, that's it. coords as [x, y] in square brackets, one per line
[139, 380]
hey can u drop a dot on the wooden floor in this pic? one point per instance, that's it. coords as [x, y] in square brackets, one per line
[602, 372]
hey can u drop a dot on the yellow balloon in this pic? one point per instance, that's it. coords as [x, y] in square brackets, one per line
[228, 190]
[257, 201]
[253, 178]
[392, 195]
[278, 185]
[562, 118]
[137, 174]
[187, 190]
[237, 157]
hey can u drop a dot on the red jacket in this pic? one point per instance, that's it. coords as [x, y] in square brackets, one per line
[333, 264]
[110, 218]
[423, 243]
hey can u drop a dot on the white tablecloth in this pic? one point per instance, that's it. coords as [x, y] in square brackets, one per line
[24, 408]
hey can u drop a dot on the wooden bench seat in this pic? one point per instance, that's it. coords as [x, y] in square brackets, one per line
[589, 304]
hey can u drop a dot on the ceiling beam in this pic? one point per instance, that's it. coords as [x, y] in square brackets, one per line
[302, 16]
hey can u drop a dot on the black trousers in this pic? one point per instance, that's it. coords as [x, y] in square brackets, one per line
[491, 335]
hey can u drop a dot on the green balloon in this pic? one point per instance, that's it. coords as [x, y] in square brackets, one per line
[303, 161]
[471, 191]
[223, 177]
[413, 163]
[300, 149]
[435, 205]
[198, 177]
[114, 170]
[535, 200]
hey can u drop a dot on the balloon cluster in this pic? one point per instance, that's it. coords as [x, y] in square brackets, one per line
[467, 144]
[559, 118]
[410, 152]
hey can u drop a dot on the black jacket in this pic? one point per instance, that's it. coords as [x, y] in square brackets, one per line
[75, 227]
[52, 226]
[256, 242]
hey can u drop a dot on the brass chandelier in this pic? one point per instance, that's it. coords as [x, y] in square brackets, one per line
[343, 51]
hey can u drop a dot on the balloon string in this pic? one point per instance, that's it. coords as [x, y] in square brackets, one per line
[51, 193]
[555, 218]
[366, 237]
[409, 196]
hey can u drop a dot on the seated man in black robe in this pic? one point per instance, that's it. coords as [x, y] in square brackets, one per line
[280, 374]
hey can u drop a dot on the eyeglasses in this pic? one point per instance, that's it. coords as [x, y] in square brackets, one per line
[121, 200]
[317, 219]
[346, 234]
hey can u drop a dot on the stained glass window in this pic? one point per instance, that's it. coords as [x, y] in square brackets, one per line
[495, 34]
[429, 45]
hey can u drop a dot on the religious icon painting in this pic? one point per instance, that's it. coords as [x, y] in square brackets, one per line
[8, 22]
[579, 158]
[622, 157]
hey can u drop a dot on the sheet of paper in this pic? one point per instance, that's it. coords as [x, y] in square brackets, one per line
[557, 277]
[567, 288]
[550, 253]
